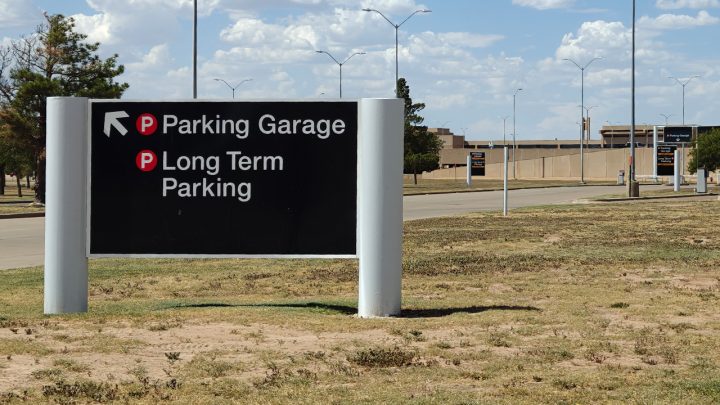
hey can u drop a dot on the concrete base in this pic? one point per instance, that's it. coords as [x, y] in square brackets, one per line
[633, 188]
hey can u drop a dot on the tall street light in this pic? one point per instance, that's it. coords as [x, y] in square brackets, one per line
[194, 56]
[514, 144]
[397, 26]
[231, 87]
[667, 116]
[631, 169]
[341, 64]
[587, 111]
[504, 120]
[683, 84]
[582, 112]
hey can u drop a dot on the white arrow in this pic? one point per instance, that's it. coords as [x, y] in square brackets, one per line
[111, 120]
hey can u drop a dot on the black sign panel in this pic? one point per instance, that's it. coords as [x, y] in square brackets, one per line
[678, 134]
[666, 160]
[477, 163]
[223, 178]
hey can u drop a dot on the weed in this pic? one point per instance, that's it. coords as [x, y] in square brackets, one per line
[71, 365]
[383, 357]
[46, 374]
[207, 365]
[342, 368]
[565, 384]
[499, 339]
[98, 392]
[619, 305]
[172, 357]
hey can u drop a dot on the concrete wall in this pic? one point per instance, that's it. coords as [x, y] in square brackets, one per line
[602, 164]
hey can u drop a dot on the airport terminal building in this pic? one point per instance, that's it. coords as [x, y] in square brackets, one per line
[604, 156]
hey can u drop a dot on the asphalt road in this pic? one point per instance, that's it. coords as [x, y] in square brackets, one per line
[438, 205]
[22, 240]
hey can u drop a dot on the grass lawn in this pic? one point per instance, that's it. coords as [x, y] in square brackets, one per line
[668, 191]
[564, 304]
[444, 186]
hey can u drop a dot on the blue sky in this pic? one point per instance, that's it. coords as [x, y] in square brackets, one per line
[464, 60]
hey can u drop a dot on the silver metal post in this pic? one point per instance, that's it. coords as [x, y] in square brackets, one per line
[505, 181]
[655, 152]
[380, 129]
[397, 68]
[66, 265]
[468, 179]
[676, 177]
[194, 59]
[631, 174]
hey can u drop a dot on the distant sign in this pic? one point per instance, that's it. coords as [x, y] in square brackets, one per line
[666, 160]
[223, 178]
[477, 163]
[678, 134]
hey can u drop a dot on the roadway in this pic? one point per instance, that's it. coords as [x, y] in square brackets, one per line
[22, 239]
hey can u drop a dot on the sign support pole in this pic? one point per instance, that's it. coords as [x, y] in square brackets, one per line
[655, 153]
[380, 210]
[468, 180]
[66, 264]
[676, 181]
[505, 181]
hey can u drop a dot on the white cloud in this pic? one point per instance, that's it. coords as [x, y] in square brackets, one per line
[676, 22]
[544, 4]
[17, 13]
[595, 38]
[678, 4]
[158, 56]
[97, 27]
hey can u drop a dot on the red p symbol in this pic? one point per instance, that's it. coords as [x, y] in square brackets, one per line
[146, 160]
[146, 124]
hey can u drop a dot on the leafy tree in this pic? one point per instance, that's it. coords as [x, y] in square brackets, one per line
[422, 148]
[54, 61]
[705, 152]
[13, 161]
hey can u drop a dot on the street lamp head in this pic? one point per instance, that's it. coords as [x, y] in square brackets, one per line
[367, 9]
[426, 11]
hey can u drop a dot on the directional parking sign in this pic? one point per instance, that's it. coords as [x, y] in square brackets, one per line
[477, 163]
[678, 134]
[208, 178]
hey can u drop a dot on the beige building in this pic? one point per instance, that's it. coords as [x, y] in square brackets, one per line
[603, 158]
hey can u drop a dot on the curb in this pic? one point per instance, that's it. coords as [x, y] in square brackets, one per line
[652, 197]
[500, 189]
[24, 215]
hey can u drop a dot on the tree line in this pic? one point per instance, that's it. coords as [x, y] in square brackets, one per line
[52, 61]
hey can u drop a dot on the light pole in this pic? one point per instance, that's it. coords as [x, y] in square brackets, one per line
[683, 84]
[612, 133]
[631, 169]
[587, 110]
[667, 116]
[514, 144]
[340, 63]
[231, 87]
[397, 26]
[194, 56]
[504, 120]
[582, 112]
